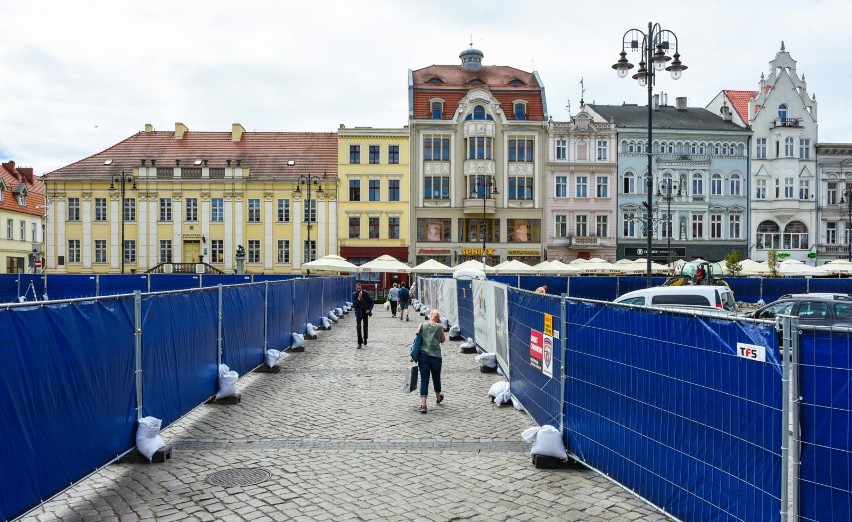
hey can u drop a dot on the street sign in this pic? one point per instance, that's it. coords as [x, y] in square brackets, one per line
[38, 263]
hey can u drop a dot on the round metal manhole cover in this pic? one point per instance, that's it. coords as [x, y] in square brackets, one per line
[238, 477]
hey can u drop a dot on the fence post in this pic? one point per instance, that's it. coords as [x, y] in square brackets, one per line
[266, 317]
[137, 349]
[789, 327]
[563, 336]
[97, 285]
[219, 340]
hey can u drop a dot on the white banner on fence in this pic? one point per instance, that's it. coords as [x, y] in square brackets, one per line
[491, 319]
[440, 293]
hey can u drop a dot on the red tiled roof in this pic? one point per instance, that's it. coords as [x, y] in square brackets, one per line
[506, 84]
[13, 177]
[739, 100]
[265, 154]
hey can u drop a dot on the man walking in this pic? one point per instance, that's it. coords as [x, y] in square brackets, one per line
[404, 297]
[392, 297]
[362, 303]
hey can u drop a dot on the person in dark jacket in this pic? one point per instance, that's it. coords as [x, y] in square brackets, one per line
[362, 303]
[404, 296]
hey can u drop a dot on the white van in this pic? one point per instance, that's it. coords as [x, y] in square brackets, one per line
[719, 297]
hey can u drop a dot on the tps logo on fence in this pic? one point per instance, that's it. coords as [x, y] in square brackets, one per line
[751, 351]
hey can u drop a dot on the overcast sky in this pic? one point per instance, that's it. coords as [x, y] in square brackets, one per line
[81, 76]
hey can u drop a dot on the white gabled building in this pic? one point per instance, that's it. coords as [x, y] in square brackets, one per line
[783, 184]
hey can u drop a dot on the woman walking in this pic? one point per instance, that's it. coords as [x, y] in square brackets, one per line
[393, 298]
[429, 361]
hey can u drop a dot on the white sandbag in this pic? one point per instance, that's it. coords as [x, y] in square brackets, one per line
[488, 360]
[468, 344]
[499, 393]
[227, 382]
[425, 312]
[546, 440]
[271, 357]
[455, 333]
[417, 306]
[325, 324]
[298, 341]
[148, 439]
[445, 323]
[333, 317]
[338, 312]
[515, 402]
[310, 331]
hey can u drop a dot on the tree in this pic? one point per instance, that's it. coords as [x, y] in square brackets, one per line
[732, 263]
[772, 262]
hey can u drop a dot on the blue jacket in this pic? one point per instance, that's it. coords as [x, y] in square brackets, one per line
[364, 304]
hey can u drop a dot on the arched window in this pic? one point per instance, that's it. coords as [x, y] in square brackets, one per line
[479, 112]
[629, 183]
[693, 148]
[782, 113]
[716, 184]
[697, 184]
[520, 110]
[736, 185]
[795, 236]
[437, 108]
[768, 235]
[631, 146]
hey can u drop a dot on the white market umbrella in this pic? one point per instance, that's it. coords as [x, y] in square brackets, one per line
[629, 267]
[837, 267]
[473, 264]
[554, 266]
[754, 268]
[430, 266]
[514, 266]
[385, 263]
[599, 266]
[794, 267]
[331, 263]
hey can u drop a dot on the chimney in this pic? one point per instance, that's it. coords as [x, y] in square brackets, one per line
[655, 102]
[237, 131]
[180, 130]
[680, 103]
[149, 127]
[725, 111]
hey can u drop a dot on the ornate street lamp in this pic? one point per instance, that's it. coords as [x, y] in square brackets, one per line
[847, 199]
[653, 45]
[122, 180]
[310, 181]
[665, 192]
[486, 188]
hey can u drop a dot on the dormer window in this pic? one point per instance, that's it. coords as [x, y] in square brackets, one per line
[478, 114]
[476, 81]
[520, 110]
[515, 81]
[22, 200]
[434, 80]
[21, 193]
[436, 108]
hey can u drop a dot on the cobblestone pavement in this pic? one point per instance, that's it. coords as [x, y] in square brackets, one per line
[333, 437]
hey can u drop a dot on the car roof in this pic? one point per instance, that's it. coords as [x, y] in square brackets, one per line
[688, 289]
[818, 295]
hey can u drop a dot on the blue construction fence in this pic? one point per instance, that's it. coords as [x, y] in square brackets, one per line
[686, 410]
[75, 376]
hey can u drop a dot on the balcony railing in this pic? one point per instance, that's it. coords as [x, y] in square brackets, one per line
[184, 268]
[786, 122]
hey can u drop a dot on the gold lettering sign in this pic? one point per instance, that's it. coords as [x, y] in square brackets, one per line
[434, 251]
[524, 253]
[476, 251]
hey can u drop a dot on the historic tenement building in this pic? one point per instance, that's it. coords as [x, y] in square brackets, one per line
[22, 215]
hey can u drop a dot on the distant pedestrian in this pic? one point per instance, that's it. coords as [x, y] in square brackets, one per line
[404, 296]
[430, 361]
[393, 297]
[541, 290]
[362, 303]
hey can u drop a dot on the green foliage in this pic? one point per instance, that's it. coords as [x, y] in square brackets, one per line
[773, 262]
[732, 263]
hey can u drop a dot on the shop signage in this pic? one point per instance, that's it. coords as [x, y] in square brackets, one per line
[476, 251]
[524, 253]
[655, 252]
[441, 251]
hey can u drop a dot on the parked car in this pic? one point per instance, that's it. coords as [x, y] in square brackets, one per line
[818, 309]
[718, 297]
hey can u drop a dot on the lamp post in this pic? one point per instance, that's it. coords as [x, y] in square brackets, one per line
[653, 45]
[667, 186]
[309, 180]
[847, 198]
[485, 188]
[123, 180]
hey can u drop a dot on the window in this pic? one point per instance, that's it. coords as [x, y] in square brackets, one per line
[393, 154]
[73, 250]
[217, 250]
[283, 211]
[437, 108]
[354, 227]
[284, 251]
[479, 147]
[697, 184]
[217, 210]
[520, 150]
[479, 112]
[560, 225]
[393, 228]
[100, 209]
[165, 251]
[436, 148]
[191, 209]
[697, 226]
[130, 209]
[23, 230]
[354, 154]
[831, 193]
[716, 184]
[523, 230]
[831, 232]
[10, 229]
[602, 187]
[73, 210]
[629, 183]
[165, 209]
[520, 111]
[436, 187]
[782, 113]
[582, 187]
[22, 199]
[629, 223]
[788, 146]
[560, 190]
[310, 212]
[788, 188]
[373, 224]
[715, 226]
[760, 189]
[374, 192]
[393, 190]
[602, 150]
[354, 190]
[310, 251]
[602, 226]
[253, 251]
[760, 148]
[796, 236]
[804, 148]
[561, 149]
[736, 185]
[129, 250]
[374, 152]
[581, 225]
[100, 251]
[520, 187]
[804, 189]
[475, 230]
[433, 229]
[735, 226]
[254, 210]
[35, 232]
[768, 235]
